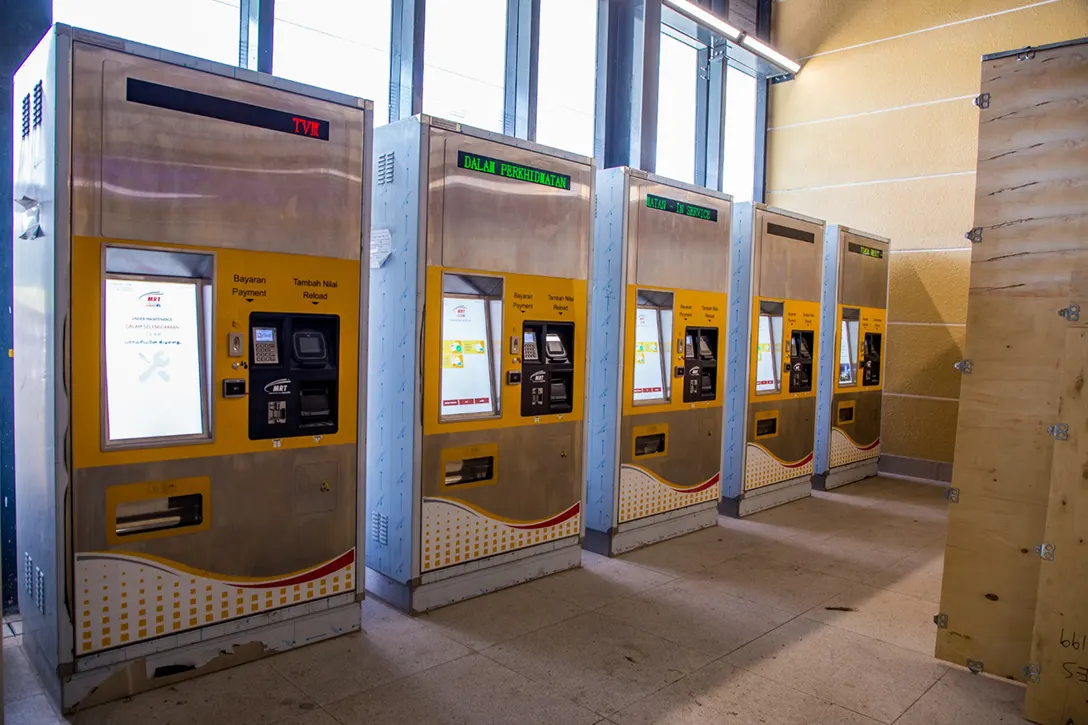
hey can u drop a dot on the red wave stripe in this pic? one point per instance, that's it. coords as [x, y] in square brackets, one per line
[871, 446]
[799, 463]
[553, 521]
[325, 569]
[702, 486]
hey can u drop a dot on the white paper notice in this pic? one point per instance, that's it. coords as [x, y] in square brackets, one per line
[381, 246]
[152, 359]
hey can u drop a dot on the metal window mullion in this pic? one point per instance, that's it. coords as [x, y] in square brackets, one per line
[256, 30]
[522, 61]
[407, 24]
[759, 180]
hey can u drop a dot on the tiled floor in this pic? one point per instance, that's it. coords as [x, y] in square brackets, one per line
[818, 612]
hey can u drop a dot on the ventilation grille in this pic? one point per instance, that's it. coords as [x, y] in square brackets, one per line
[26, 115]
[379, 528]
[39, 589]
[386, 163]
[39, 92]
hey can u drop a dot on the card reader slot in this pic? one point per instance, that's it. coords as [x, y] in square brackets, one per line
[648, 445]
[159, 514]
[470, 470]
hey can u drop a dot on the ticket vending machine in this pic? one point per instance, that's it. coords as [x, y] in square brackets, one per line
[188, 315]
[479, 301]
[657, 366]
[854, 310]
[773, 348]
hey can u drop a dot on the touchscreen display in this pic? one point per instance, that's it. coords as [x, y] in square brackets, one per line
[153, 359]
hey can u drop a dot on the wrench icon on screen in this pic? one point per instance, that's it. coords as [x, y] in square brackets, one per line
[155, 365]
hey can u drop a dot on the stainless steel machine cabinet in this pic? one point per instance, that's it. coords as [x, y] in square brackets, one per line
[189, 315]
[853, 307]
[479, 309]
[774, 312]
[657, 366]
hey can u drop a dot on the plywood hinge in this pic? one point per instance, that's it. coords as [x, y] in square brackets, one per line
[975, 666]
[1071, 313]
[965, 366]
[1045, 551]
[1032, 672]
[953, 495]
[941, 620]
[974, 236]
[982, 100]
[1060, 431]
[1026, 54]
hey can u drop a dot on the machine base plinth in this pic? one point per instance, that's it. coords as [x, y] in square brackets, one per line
[842, 475]
[140, 667]
[652, 529]
[475, 578]
[759, 499]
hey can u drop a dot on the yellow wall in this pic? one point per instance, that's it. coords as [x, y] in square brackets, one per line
[878, 131]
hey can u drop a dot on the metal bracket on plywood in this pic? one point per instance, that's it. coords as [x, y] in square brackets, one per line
[941, 620]
[1071, 313]
[1032, 672]
[953, 495]
[1060, 431]
[1045, 551]
[975, 666]
[982, 100]
[974, 236]
[1026, 54]
[965, 366]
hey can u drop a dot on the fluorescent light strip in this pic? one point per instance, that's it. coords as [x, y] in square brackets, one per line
[766, 51]
[713, 22]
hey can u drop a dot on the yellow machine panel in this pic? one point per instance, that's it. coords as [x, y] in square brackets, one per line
[190, 323]
[775, 348]
[476, 380]
[849, 410]
[667, 248]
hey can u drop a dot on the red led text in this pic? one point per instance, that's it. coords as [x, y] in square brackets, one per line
[306, 127]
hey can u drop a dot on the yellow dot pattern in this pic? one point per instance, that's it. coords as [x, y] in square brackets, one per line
[763, 469]
[123, 600]
[453, 534]
[642, 494]
[844, 452]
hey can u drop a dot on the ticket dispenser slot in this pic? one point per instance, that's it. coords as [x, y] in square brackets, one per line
[547, 352]
[800, 364]
[870, 361]
[700, 364]
[294, 375]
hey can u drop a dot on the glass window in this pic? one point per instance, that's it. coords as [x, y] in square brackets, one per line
[769, 348]
[464, 61]
[739, 174]
[204, 28]
[848, 348]
[678, 84]
[471, 345]
[566, 78]
[342, 45]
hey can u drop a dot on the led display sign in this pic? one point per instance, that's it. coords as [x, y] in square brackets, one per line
[224, 109]
[682, 208]
[510, 170]
[865, 251]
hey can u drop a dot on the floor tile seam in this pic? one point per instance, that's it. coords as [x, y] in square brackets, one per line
[275, 670]
[542, 685]
[919, 698]
[581, 610]
[328, 705]
[875, 639]
[902, 594]
[824, 700]
[663, 638]
[793, 615]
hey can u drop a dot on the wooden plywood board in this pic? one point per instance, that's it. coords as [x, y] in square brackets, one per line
[1058, 690]
[1031, 204]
